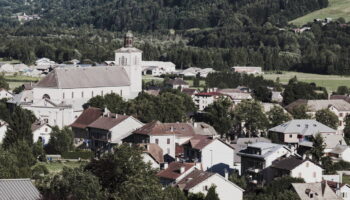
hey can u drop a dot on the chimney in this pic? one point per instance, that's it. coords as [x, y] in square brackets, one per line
[166, 165]
[182, 169]
[304, 156]
[195, 124]
[226, 174]
[310, 156]
[172, 129]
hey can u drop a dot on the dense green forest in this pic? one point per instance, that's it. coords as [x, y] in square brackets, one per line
[202, 33]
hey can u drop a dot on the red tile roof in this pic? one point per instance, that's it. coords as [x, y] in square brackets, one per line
[158, 128]
[106, 123]
[173, 171]
[88, 116]
[193, 179]
[153, 150]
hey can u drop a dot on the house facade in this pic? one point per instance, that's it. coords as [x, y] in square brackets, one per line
[41, 132]
[199, 181]
[5, 94]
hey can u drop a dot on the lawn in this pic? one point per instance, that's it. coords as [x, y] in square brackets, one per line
[331, 82]
[335, 10]
[346, 179]
[56, 167]
[15, 81]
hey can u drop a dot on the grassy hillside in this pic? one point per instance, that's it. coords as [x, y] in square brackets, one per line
[331, 82]
[336, 9]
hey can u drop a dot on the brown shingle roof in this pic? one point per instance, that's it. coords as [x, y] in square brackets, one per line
[158, 128]
[36, 125]
[344, 97]
[88, 116]
[189, 91]
[193, 179]
[173, 171]
[155, 151]
[289, 163]
[106, 123]
[200, 141]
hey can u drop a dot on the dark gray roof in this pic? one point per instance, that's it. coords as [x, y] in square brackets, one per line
[18, 189]
[87, 77]
[302, 127]
[288, 163]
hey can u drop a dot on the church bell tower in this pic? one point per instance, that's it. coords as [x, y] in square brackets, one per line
[130, 58]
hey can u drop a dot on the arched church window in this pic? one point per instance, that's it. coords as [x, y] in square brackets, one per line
[46, 96]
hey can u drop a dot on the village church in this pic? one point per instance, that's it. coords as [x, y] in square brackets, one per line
[59, 97]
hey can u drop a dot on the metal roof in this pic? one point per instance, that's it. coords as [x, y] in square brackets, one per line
[18, 189]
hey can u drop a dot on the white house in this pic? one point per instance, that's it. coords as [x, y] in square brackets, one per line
[204, 99]
[342, 190]
[3, 129]
[340, 152]
[260, 155]
[298, 168]
[313, 191]
[7, 68]
[174, 172]
[199, 182]
[193, 71]
[5, 94]
[177, 83]
[110, 129]
[41, 131]
[166, 135]
[152, 154]
[339, 107]
[247, 69]
[237, 95]
[73, 87]
[157, 68]
[213, 154]
[44, 64]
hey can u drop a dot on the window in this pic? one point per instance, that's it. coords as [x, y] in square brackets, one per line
[340, 114]
[314, 174]
[168, 141]
[46, 96]
[121, 93]
[299, 174]
[63, 95]
[290, 135]
[92, 93]
[102, 93]
[307, 164]
[46, 130]
[82, 94]
[72, 95]
[168, 151]
[157, 141]
[205, 188]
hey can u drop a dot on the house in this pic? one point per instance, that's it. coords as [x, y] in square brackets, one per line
[204, 99]
[7, 68]
[166, 135]
[204, 72]
[276, 97]
[18, 189]
[259, 156]
[71, 88]
[342, 190]
[237, 95]
[3, 129]
[41, 132]
[190, 72]
[298, 168]
[331, 141]
[174, 172]
[313, 191]
[343, 97]
[247, 69]
[213, 154]
[199, 181]
[80, 125]
[177, 83]
[5, 94]
[242, 143]
[44, 64]
[110, 129]
[299, 130]
[202, 128]
[339, 107]
[267, 107]
[152, 154]
[189, 91]
[340, 152]
[157, 68]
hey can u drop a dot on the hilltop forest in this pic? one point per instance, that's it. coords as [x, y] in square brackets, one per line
[201, 33]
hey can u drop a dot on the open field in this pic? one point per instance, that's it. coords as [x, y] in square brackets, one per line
[331, 82]
[56, 167]
[335, 10]
[15, 81]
